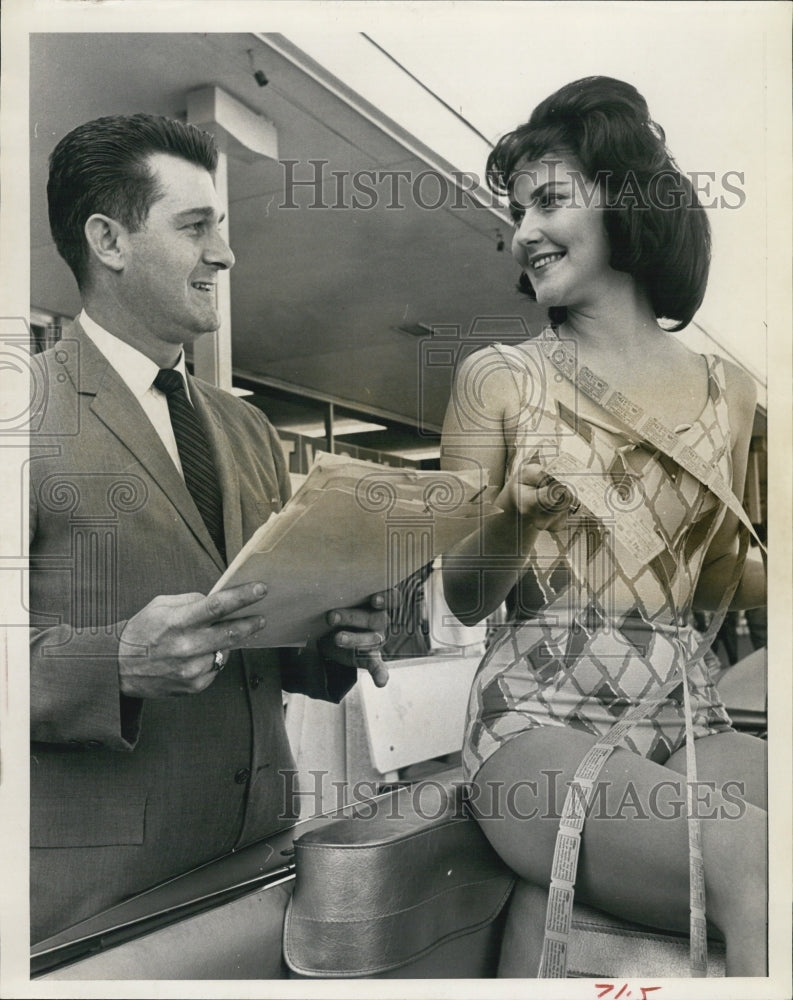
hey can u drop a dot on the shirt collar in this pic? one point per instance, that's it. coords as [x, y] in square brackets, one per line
[132, 366]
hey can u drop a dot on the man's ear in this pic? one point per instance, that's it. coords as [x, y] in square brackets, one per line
[106, 239]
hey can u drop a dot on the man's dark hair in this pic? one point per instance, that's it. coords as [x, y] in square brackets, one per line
[658, 231]
[100, 167]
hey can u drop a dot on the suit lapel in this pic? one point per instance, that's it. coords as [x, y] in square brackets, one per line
[118, 409]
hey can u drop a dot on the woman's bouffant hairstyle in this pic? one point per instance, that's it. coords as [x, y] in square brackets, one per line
[100, 167]
[658, 231]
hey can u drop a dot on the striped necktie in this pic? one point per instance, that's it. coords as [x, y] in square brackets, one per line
[199, 470]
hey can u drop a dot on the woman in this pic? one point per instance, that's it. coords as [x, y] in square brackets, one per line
[595, 437]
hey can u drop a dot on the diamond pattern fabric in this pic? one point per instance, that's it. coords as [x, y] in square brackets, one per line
[595, 631]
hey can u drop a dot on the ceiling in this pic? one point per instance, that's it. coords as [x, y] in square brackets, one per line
[318, 293]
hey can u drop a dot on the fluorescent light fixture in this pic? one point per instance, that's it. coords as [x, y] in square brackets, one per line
[420, 330]
[341, 426]
[352, 426]
[417, 454]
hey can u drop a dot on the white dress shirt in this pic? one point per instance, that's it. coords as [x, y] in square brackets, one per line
[138, 373]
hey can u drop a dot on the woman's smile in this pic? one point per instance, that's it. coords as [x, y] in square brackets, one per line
[560, 240]
[542, 261]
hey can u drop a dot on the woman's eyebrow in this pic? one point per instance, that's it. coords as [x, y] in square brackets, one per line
[548, 186]
[541, 189]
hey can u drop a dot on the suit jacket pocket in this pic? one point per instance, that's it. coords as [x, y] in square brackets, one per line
[101, 821]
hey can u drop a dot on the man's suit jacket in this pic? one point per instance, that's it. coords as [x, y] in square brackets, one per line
[126, 793]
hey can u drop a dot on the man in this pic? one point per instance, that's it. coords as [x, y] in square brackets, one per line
[149, 757]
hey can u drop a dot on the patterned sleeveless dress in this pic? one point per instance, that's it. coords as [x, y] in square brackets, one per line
[596, 631]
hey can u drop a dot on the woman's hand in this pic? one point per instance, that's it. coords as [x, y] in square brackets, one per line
[539, 500]
[480, 571]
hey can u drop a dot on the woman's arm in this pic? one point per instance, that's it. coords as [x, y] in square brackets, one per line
[480, 571]
[719, 563]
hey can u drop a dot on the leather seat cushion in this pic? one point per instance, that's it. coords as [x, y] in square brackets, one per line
[381, 889]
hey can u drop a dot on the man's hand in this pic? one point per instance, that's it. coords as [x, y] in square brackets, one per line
[168, 647]
[358, 634]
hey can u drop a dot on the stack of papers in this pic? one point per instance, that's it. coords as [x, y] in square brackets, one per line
[352, 529]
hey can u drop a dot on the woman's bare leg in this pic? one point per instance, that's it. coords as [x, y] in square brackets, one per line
[730, 760]
[737, 765]
[634, 851]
